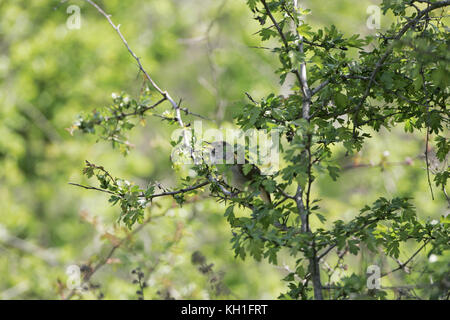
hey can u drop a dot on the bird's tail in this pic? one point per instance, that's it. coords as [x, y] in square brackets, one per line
[265, 196]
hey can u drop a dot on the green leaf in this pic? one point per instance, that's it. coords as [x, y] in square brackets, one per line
[386, 79]
[334, 172]
[246, 168]
[305, 30]
[252, 4]
[340, 100]
[255, 249]
[272, 255]
[321, 217]
[443, 148]
[269, 185]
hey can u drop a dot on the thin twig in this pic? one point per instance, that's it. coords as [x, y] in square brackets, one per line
[163, 93]
[184, 190]
[162, 194]
[390, 48]
[283, 37]
[135, 113]
[381, 61]
[427, 135]
[92, 188]
[403, 265]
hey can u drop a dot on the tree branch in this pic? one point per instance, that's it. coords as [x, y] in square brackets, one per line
[283, 37]
[162, 194]
[390, 48]
[403, 265]
[163, 93]
[380, 62]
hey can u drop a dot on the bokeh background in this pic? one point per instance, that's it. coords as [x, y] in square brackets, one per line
[203, 52]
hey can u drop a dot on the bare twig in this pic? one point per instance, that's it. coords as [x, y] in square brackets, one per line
[184, 190]
[162, 194]
[92, 188]
[163, 93]
[283, 37]
[403, 265]
[407, 162]
[427, 136]
[135, 113]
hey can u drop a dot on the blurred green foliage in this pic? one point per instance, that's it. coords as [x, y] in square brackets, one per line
[205, 53]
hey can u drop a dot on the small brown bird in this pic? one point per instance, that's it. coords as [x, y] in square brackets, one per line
[223, 153]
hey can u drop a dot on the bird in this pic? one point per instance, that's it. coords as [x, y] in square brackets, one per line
[223, 153]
